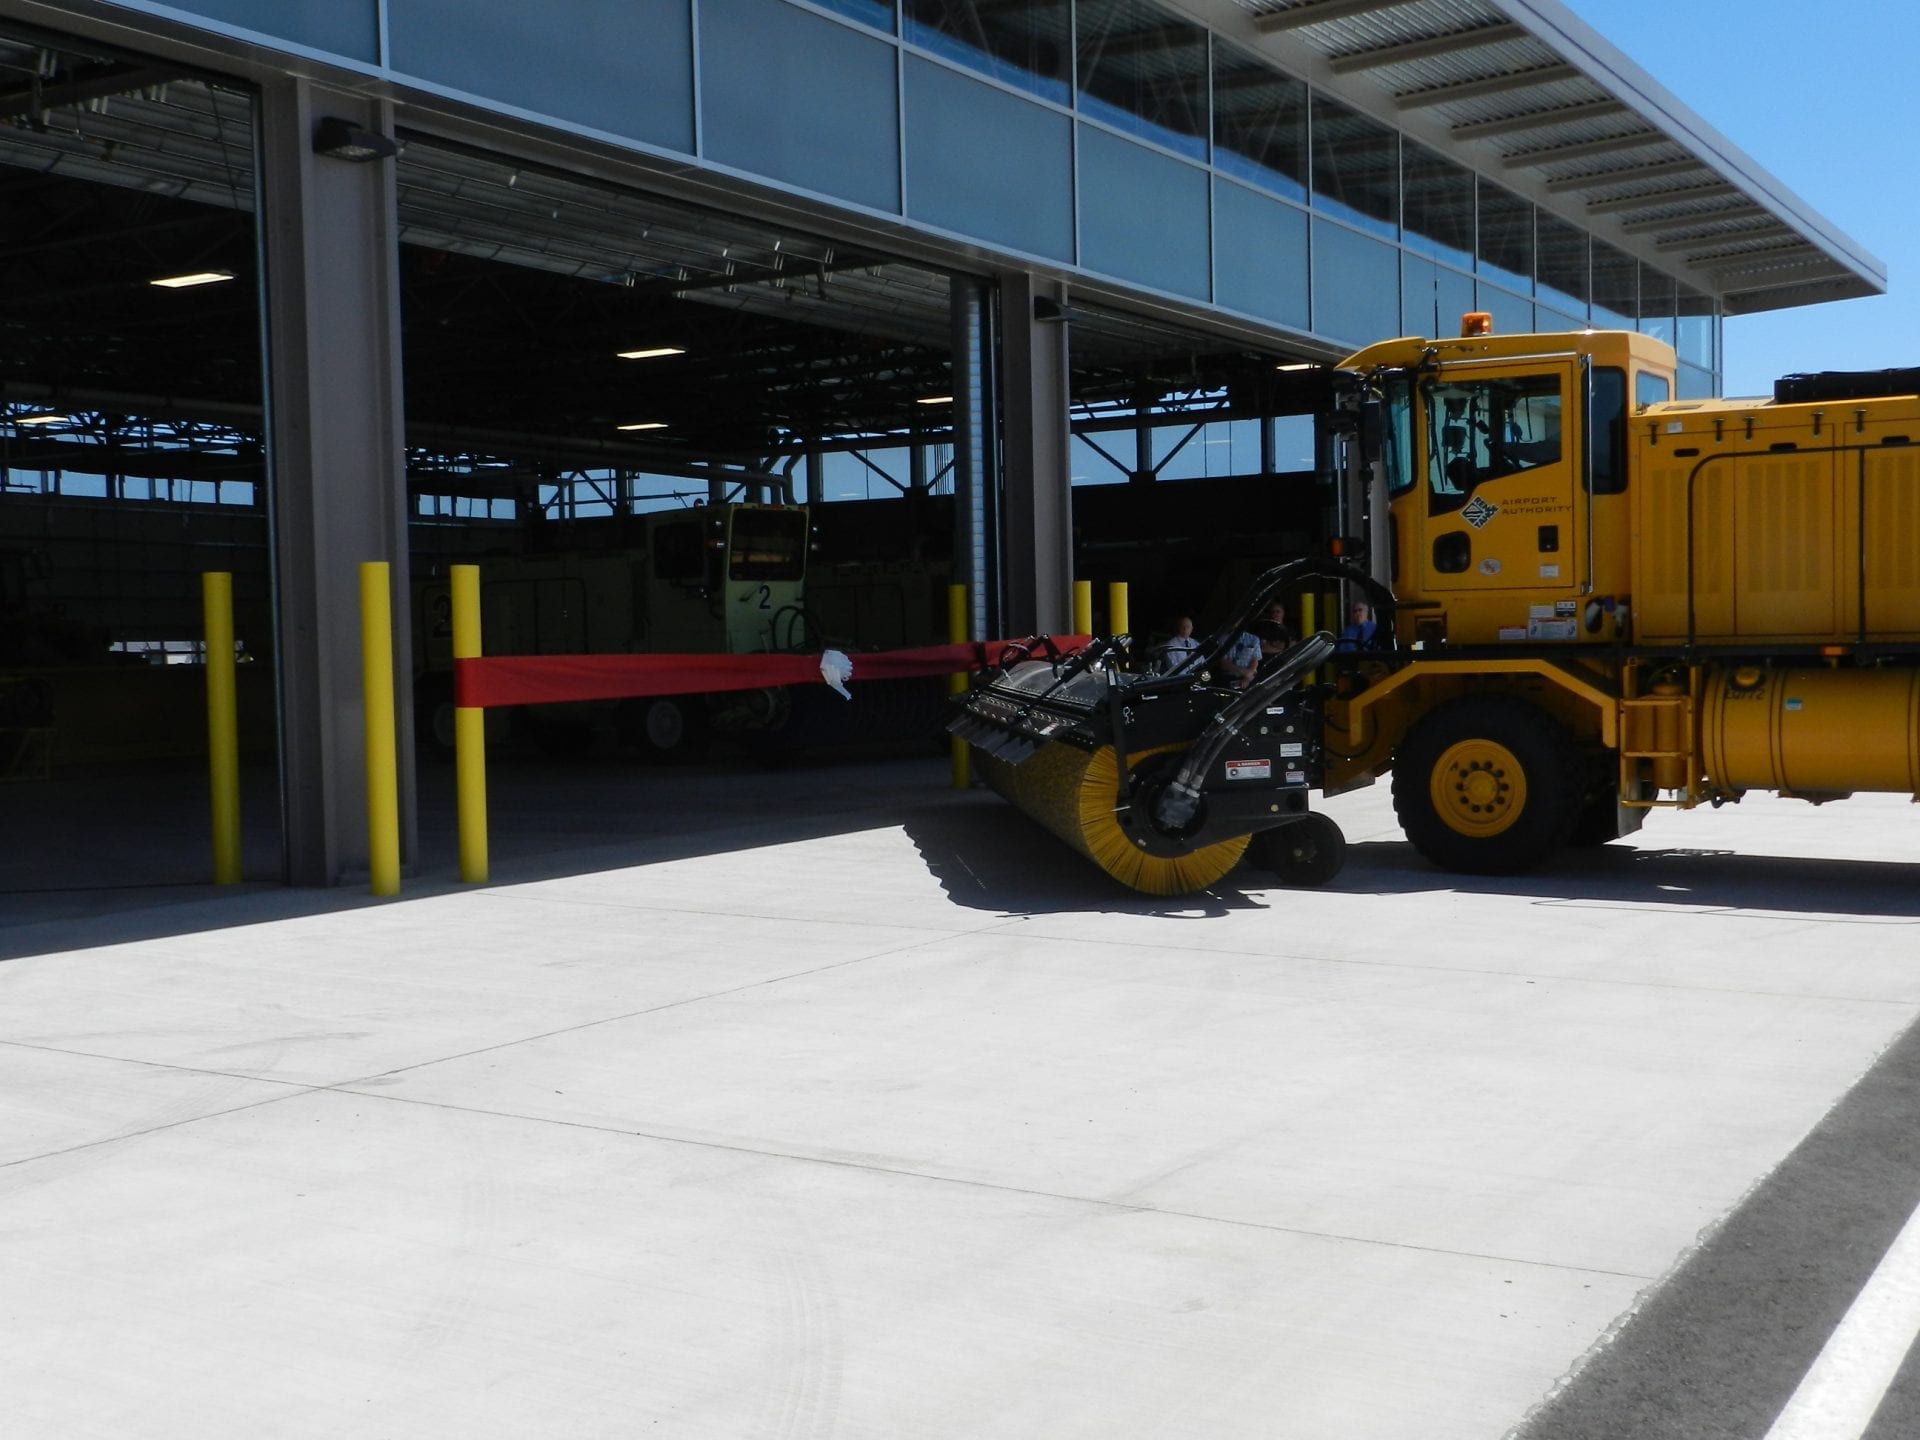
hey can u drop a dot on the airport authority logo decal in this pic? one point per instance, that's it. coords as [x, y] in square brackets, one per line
[1477, 512]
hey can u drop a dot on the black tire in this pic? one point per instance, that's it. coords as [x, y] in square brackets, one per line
[1598, 820]
[1306, 853]
[665, 729]
[1487, 785]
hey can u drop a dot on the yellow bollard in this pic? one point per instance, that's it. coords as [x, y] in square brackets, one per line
[1083, 607]
[383, 775]
[1118, 621]
[957, 682]
[223, 727]
[469, 732]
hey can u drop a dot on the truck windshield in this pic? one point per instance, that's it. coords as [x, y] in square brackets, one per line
[1479, 430]
[768, 545]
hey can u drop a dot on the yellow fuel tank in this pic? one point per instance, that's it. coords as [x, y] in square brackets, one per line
[1812, 731]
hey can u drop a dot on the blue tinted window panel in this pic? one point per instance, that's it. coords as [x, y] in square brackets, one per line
[877, 13]
[1260, 255]
[626, 69]
[1026, 43]
[1356, 285]
[1512, 314]
[1696, 328]
[1437, 205]
[1356, 167]
[1091, 467]
[1616, 284]
[1433, 298]
[1142, 71]
[1505, 244]
[1563, 272]
[988, 164]
[1657, 301]
[1693, 383]
[1259, 122]
[800, 99]
[341, 27]
[1143, 215]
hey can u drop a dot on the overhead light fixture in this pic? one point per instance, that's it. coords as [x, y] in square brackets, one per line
[197, 277]
[1296, 366]
[934, 400]
[343, 140]
[42, 419]
[654, 354]
[644, 425]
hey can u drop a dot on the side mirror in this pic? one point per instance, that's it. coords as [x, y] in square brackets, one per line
[1373, 429]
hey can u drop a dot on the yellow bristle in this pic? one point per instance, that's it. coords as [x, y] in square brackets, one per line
[1072, 793]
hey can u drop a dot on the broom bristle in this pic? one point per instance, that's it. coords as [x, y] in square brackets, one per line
[1072, 794]
[1106, 844]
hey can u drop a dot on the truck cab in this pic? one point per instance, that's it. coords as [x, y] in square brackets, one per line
[1502, 462]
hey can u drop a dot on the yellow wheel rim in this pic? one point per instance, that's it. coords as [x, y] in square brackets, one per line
[1479, 789]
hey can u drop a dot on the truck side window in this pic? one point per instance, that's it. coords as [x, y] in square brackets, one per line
[1651, 389]
[1479, 430]
[1609, 432]
[1397, 442]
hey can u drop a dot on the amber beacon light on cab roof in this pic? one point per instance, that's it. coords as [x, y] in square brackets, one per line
[1594, 601]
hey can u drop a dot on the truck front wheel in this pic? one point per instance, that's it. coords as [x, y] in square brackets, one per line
[1487, 786]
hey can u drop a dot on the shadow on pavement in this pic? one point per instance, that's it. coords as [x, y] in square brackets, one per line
[1678, 877]
[990, 857]
[551, 819]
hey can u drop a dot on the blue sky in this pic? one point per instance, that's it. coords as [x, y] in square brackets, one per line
[1826, 98]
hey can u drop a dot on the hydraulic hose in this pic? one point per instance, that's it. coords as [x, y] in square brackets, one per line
[1175, 806]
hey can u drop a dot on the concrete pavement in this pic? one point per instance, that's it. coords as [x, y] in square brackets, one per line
[831, 1103]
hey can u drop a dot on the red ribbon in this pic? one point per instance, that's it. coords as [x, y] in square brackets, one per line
[494, 680]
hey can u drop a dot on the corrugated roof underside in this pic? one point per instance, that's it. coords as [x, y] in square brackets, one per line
[1519, 105]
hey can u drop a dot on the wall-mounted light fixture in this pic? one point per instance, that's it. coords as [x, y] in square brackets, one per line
[644, 425]
[934, 400]
[344, 140]
[1049, 311]
[187, 282]
[654, 354]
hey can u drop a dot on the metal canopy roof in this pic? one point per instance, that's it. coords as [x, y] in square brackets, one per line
[1525, 93]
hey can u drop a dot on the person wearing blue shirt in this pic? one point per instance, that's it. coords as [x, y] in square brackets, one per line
[1244, 655]
[1178, 652]
[1361, 633]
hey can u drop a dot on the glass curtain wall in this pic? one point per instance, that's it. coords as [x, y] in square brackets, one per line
[1192, 165]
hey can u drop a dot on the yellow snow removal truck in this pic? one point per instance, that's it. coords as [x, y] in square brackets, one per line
[1607, 601]
[1594, 601]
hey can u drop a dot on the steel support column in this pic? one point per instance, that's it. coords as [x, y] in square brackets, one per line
[976, 478]
[337, 474]
[1037, 519]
